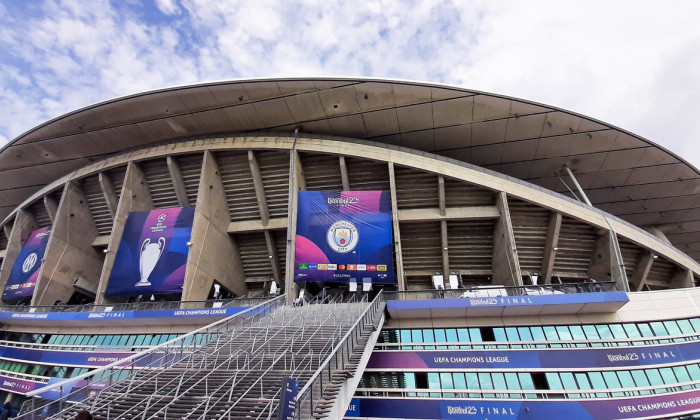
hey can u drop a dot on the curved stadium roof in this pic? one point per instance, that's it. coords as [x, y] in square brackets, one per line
[622, 173]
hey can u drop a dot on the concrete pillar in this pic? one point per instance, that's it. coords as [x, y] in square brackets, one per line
[641, 271]
[69, 254]
[445, 250]
[178, 183]
[401, 279]
[296, 183]
[135, 196]
[683, 278]
[344, 173]
[259, 187]
[108, 193]
[213, 254]
[51, 208]
[550, 246]
[274, 259]
[606, 262]
[505, 266]
[23, 225]
[441, 195]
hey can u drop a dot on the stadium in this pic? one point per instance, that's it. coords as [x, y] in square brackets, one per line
[346, 248]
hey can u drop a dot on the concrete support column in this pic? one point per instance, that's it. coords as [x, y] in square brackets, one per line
[24, 224]
[550, 247]
[505, 266]
[296, 183]
[70, 254]
[344, 173]
[401, 279]
[108, 193]
[213, 254]
[135, 197]
[259, 187]
[441, 195]
[606, 263]
[274, 259]
[51, 208]
[682, 279]
[445, 250]
[641, 271]
[178, 183]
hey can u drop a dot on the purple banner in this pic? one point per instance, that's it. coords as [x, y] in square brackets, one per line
[656, 406]
[25, 271]
[344, 236]
[152, 254]
[19, 386]
[534, 358]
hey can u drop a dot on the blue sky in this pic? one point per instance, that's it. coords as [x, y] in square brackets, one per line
[630, 63]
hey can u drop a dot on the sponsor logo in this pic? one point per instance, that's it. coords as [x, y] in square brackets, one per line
[352, 267]
[332, 266]
[342, 236]
[304, 266]
[42, 234]
[323, 266]
[313, 266]
[371, 267]
[343, 201]
[341, 267]
[361, 267]
[381, 267]
[161, 218]
[30, 262]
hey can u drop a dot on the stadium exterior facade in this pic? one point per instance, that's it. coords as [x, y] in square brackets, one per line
[588, 235]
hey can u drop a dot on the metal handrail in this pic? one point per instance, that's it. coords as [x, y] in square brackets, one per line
[306, 398]
[130, 362]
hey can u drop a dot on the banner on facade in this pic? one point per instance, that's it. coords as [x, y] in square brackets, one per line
[152, 253]
[344, 236]
[25, 271]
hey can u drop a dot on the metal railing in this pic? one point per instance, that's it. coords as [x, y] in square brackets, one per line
[158, 357]
[137, 306]
[309, 396]
[503, 291]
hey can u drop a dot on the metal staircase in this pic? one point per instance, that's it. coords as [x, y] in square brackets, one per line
[236, 369]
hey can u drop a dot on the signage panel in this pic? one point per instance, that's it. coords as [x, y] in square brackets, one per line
[25, 271]
[344, 236]
[152, 253]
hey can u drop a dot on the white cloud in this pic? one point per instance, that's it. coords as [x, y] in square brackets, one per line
[630, 63]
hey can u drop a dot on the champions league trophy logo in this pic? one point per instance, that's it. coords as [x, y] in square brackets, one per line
[150, 254]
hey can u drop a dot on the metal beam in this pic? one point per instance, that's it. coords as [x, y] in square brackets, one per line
[178, 183]
[51, 208]
[577, 185]
[272, 254]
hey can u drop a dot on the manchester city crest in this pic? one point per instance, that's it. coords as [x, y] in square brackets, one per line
[342, 236]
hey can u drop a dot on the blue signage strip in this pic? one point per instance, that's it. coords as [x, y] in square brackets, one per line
[555, 358]
[508, 301]
[160, 313]
[344, 236]
[152, 253]
[655, 406]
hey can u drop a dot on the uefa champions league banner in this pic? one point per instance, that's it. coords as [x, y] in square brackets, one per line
[152, 254]
[25, 272]
[344, 236]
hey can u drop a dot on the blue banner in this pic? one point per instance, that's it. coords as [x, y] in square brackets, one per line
[25, 271]
[152, 253]
[124, 315]
[344, 236]
[288, 401]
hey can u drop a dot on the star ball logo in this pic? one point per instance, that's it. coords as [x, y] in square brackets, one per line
[161, 218]
[342, 236]
[29, 262]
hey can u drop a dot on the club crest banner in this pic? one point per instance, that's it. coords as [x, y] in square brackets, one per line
[344, 236]
[152, 254]
[25, 272]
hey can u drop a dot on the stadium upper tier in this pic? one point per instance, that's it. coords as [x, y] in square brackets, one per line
[478, 184]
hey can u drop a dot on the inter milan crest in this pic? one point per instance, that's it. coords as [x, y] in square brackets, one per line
[343, 236]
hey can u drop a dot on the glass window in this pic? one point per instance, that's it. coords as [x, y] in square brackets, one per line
[440, 337]
[500, 334]
[578, 335]
[524, 333]
[672, 328]
[668, 376]
[428, 337]
[685, 326]
[485, 383]
[434, 383]
[459, 381]
[472, 383]
[446, 382]
[617, 331]
[416, 336]
[475, 334]
[512, 380]
[100, 340]
[626, 379]
[564, 333]
[631, 331]
[604, 332]
[499, 383]
[526, 383]
[640, 380]
[597, 382]
[695, 322]
[694, 372]
[537, 333]
[654, 377]
[645, 329]
[612, 380]
[463, 335]
[122, 340]
[551, 334]
[405, 336]
[451, 335]
[659, 329]
[681, 374]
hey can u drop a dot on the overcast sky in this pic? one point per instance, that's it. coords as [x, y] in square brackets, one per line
[634, 64]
